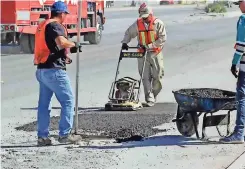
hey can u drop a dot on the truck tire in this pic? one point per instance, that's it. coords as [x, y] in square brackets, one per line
[27, 42]
[95, 37]
[3, 38]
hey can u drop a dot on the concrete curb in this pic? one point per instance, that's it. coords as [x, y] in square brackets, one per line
[239, 163]
[226, 15]
[221, 15]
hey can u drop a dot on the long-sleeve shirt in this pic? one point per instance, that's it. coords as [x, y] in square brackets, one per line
[240, 42]
[159, 27]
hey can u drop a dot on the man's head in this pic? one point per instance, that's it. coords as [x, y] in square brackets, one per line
[59, 10]
[145, 12]
[241, 4]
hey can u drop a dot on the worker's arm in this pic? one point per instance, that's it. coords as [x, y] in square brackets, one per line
[240, 41]
[62, 42]
[56, 32]
[161, 33]
[130, 33]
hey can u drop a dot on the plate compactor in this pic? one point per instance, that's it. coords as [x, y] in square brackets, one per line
[124, 93]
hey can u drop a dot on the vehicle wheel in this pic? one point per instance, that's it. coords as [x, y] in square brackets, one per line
[3, 38]
[95, 37]
[185, 126]
[27, 43]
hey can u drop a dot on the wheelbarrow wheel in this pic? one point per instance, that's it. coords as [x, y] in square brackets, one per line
[185, 126]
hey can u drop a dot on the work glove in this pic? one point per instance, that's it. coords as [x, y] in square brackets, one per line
[124, 46]
[75, 48]
[234, 71]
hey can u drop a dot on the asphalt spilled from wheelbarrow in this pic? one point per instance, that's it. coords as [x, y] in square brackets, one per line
[119, 125]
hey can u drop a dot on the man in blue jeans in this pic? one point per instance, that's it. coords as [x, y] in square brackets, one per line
[239, 58]
[51, 44]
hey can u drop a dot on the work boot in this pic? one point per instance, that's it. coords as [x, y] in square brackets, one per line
[235, 138]
[155, 97]
[149, 98]
[150, 103]
[45, 141]
[69, 139]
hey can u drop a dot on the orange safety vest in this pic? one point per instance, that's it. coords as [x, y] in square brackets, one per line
[41, 51]
[147, 36]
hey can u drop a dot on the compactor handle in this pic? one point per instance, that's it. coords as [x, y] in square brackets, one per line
[133, 47]
[127, 54]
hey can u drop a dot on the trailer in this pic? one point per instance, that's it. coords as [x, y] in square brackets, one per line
[20, 18]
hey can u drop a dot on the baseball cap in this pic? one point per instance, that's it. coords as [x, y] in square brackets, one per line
[237, 2]
[60, 7]
[144, 11]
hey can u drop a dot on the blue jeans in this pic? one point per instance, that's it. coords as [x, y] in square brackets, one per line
[54, 81]
[240, 118]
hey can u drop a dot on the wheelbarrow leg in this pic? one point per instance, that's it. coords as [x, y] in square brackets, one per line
[229, 121]
[215, 120]
[195, 125]
[227, 126]
[204, 135]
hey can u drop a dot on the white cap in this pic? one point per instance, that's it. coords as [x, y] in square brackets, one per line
[144, 11]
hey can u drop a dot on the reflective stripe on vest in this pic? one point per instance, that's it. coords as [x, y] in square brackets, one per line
[147, 36]
[41, 51]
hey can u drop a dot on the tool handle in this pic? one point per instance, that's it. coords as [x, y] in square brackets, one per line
[130, 54]
[133, 47]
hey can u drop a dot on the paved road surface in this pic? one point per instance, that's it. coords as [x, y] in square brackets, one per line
[98, 63]
[192, 49]
[158, 11]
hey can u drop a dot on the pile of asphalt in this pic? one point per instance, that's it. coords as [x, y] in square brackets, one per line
[119, 125]
[206, 93]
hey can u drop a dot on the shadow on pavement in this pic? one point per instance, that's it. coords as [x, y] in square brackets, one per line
[166, 140]
[79, 108]
[155, 141]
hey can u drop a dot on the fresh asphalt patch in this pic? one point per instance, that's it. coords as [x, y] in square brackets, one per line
[117, 124]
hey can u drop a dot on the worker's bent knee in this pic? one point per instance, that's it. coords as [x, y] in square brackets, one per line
[159, 75]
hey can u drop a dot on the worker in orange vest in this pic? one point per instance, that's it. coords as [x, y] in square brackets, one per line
[151, 35]
[51, 56]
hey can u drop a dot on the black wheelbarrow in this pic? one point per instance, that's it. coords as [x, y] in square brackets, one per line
[195, 101]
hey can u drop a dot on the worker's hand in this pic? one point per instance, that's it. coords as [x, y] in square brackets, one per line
[124, 46]
[75, 48]
[234, 70]
[68, 60]
[142, 47]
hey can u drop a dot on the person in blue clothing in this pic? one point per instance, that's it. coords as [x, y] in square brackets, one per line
[239, 59]
[52, 77]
